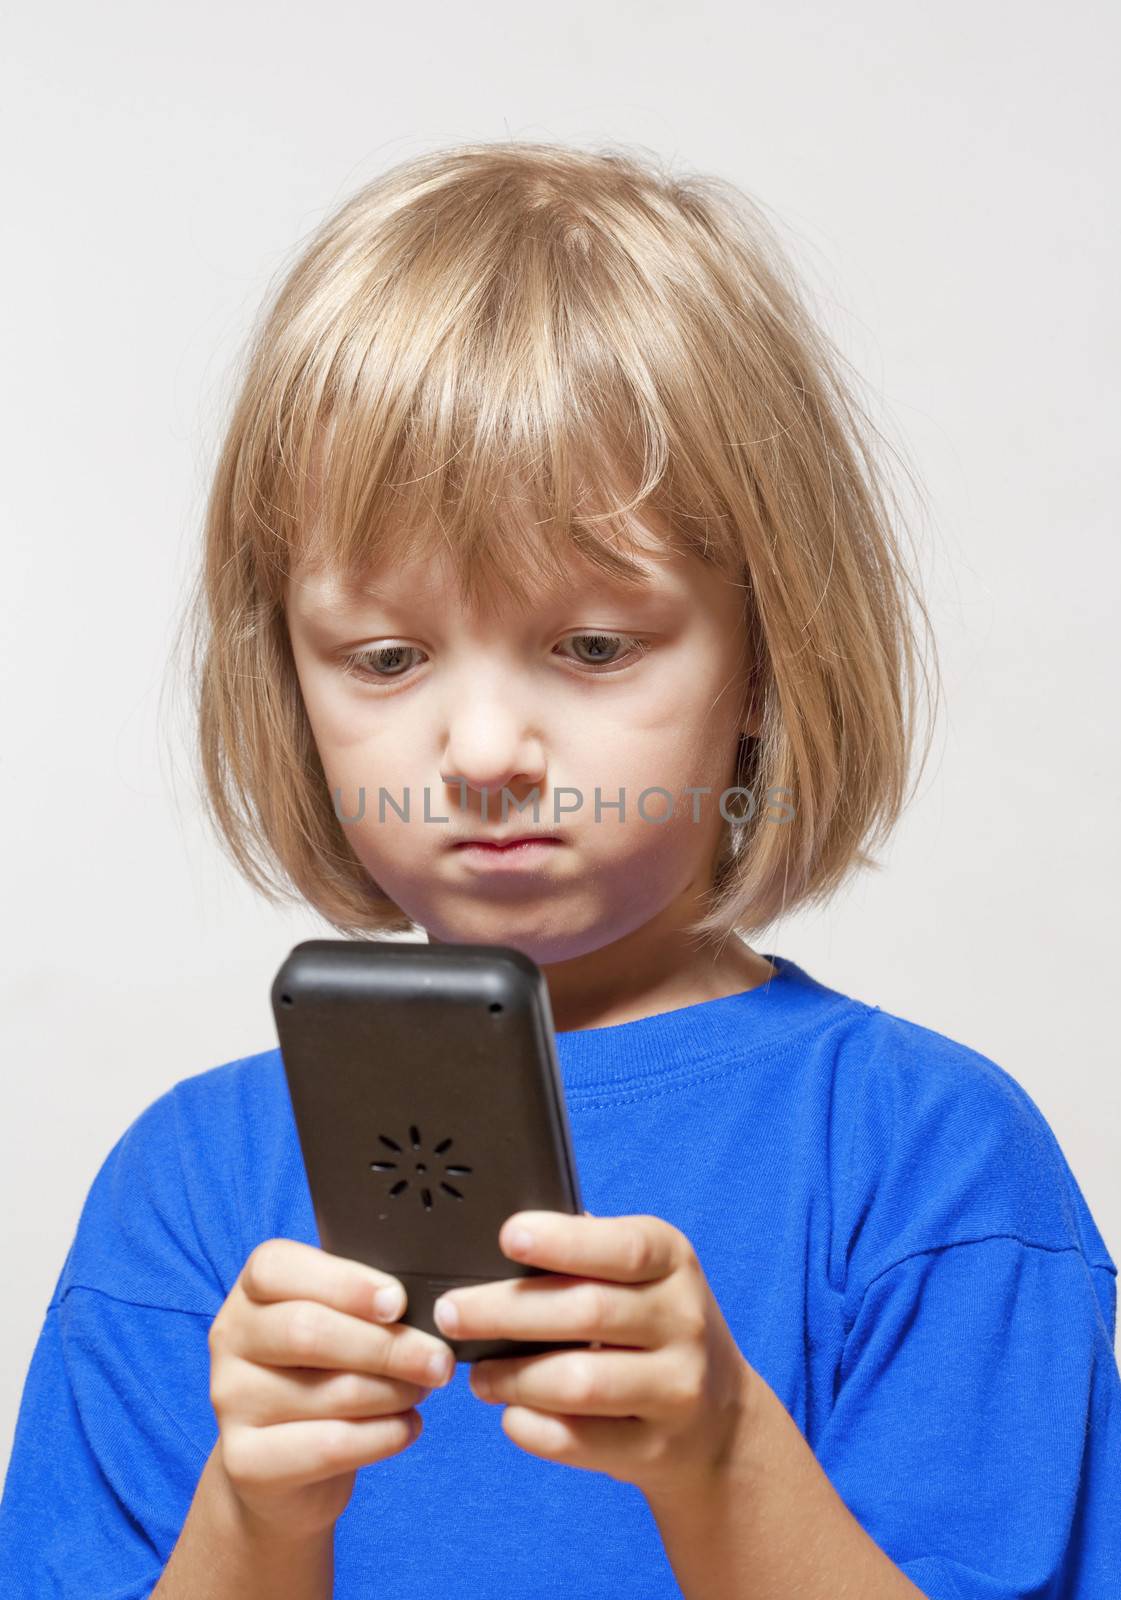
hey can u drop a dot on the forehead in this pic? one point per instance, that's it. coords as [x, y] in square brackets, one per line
[427, 585]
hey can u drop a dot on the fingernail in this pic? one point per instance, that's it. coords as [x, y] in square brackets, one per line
[446, 1314]
[439, 1367]
[388, 1304]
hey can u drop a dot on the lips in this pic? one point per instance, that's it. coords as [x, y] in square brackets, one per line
[509, 843]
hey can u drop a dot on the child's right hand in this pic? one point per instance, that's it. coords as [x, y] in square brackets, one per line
[308, 1385]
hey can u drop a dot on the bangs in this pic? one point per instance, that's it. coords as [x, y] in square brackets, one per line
[502, 531]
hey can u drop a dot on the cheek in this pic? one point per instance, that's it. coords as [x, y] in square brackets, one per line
[319, 708]
[357, 770]
[353, 754]
[340, 723]
[688, 752]
[340, 730]
[402, 857]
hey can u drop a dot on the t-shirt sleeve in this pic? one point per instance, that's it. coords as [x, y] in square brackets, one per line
[103, 1467]
[976, 1434]
[975, 1430]
[115, 1423]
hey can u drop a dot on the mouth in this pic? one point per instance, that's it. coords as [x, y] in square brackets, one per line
[525, 841]
[512, 858]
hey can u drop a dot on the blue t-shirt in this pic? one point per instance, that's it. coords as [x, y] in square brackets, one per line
[888, 1224]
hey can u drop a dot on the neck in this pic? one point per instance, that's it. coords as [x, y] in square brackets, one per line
[608, 987]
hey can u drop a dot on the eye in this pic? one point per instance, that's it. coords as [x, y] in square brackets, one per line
[383, 663]
[601, 642]
[366, 663]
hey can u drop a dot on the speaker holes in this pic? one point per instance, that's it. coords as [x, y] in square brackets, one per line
[420, 1168]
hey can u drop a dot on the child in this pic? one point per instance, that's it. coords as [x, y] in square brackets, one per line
[543, 490]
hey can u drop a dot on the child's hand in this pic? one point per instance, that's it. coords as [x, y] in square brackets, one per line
[663, 1402]
[308, 1386]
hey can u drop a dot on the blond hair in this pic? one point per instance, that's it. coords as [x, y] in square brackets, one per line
[611, 339]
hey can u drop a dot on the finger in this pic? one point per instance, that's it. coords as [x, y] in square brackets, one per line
[287, 1269]
[600, 1444]
[306, 1333]
[638, 1249]
[555, 1307]
[609, 1383]
[293, 1454]
[264, 1396]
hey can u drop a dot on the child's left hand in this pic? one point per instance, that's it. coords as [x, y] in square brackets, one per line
[663, 1403]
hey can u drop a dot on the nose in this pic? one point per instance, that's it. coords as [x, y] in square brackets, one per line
[491, 746]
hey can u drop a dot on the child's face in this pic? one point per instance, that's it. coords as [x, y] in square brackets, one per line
[519, 699]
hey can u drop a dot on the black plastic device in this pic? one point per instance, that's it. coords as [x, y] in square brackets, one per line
[429, 1107]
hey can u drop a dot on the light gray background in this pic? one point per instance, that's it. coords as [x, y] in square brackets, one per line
[946, 178]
